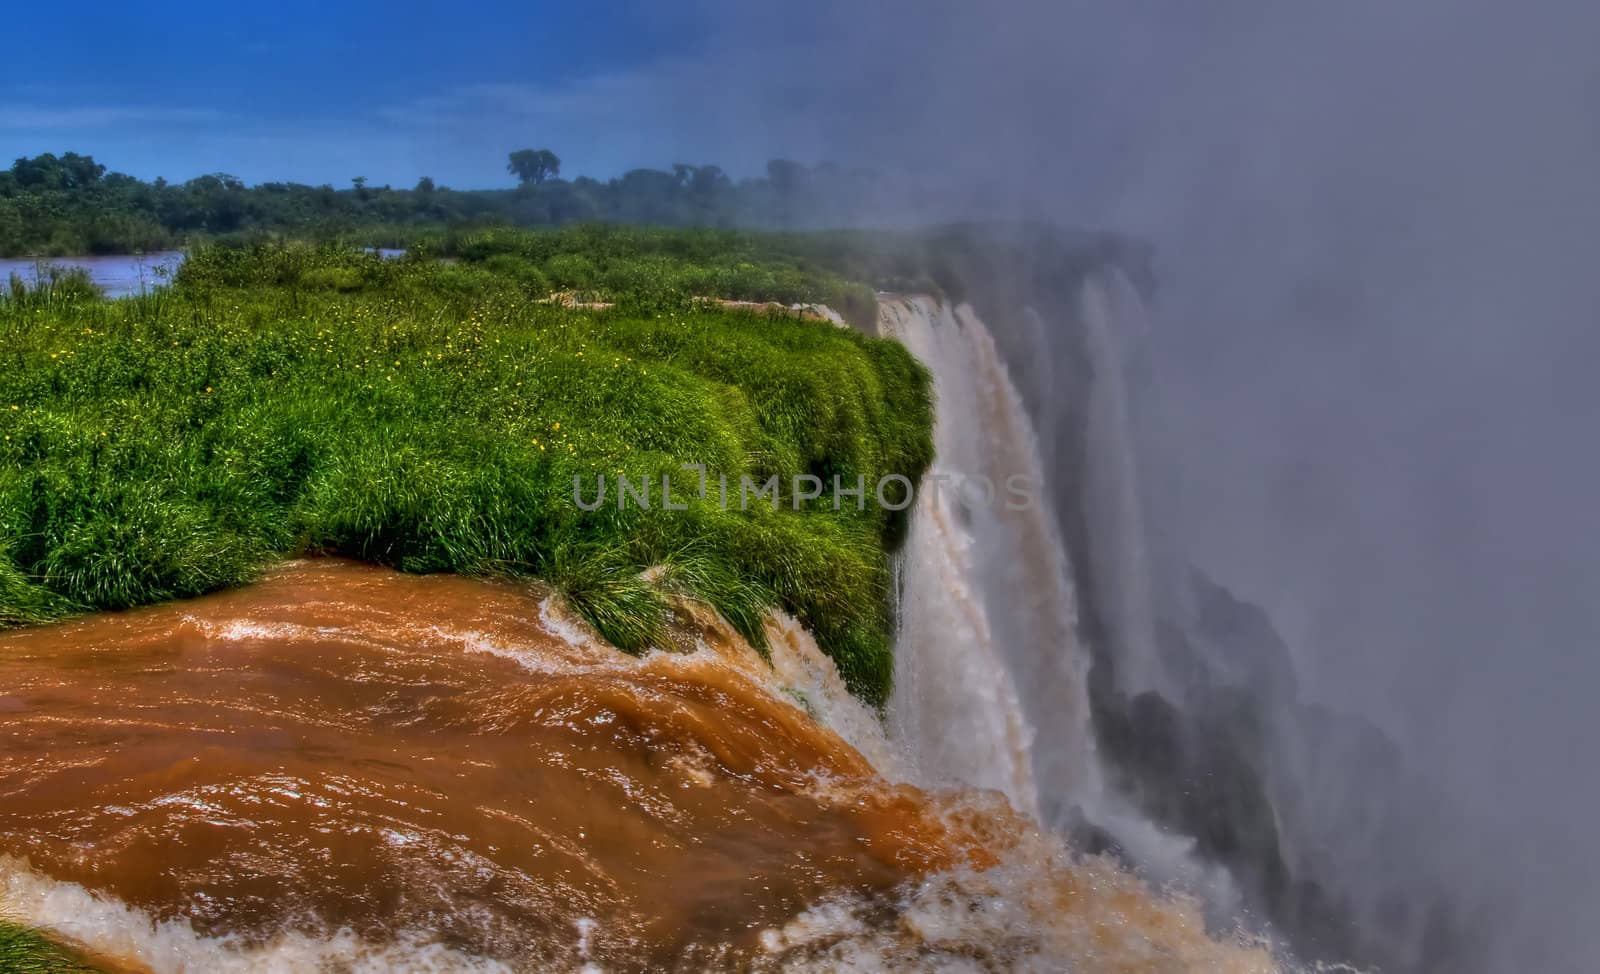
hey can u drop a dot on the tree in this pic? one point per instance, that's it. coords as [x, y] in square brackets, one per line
[46, 172]
[533, 166]
[425, 184]
[786, 175]
[81, 170]
[216, 182]
[707, 181]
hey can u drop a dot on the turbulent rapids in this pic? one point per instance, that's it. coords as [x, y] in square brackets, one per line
[347, 768]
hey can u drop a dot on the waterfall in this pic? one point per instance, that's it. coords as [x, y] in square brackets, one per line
[991, 680]
[1071, 656]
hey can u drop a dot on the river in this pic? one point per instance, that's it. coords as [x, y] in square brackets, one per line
[346, 766]
[119, 276]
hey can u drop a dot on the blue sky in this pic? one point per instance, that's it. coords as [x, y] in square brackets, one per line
[322, 92]
[326, 91]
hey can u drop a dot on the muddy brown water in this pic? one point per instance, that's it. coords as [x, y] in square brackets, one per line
[346, 769]
[343, 746]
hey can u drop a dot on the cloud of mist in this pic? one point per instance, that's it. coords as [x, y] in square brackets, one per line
[1377, 340]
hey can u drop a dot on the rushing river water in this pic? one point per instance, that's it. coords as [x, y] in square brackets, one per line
[343, 767]
[119, 276]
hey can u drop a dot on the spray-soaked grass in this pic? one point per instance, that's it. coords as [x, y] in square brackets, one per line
[24, 951]
[432, 417]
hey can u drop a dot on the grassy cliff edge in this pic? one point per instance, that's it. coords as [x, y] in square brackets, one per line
[434, 416]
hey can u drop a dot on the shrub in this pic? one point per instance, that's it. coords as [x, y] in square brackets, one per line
[571, 271]
[332, 279]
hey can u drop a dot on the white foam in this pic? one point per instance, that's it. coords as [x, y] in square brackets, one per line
[803, 675]
[119, 932]
[1038, 911]
[559, 621]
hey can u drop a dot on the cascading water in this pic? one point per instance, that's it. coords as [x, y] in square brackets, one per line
[983, 574]
[1207, 766]
[988, 610]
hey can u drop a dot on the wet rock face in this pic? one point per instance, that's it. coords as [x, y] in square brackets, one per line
[1236, 639]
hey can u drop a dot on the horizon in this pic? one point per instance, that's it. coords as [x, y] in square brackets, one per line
[512, 183]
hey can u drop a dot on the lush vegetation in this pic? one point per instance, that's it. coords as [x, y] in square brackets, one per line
[432, 415]
[71, 204]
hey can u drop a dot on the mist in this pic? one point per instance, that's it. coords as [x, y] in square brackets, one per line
[1371, 406]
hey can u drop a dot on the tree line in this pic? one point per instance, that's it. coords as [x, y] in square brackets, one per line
[71, 204]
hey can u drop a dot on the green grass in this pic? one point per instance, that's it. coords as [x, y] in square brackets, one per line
[25, 951]
[432, 417]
